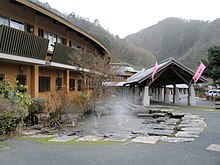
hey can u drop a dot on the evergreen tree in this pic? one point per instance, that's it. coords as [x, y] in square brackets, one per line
[213, 64]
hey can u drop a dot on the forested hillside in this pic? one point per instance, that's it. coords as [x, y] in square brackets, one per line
[120, 50]
[185, 40]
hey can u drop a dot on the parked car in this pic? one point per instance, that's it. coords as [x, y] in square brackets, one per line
[213, 92]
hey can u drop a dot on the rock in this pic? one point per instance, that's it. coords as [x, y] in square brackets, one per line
[161, 119]
[191, 124]
[156, 115]
[155, 110]
[175, 139]
[143, 115]
[172, 121]
[189, 116]
[167, 110]
[178, 115]
[140, 110]
[149, 120]
[157, 132]
[146, 139]
[196, 122]
[139, 132]
[160, 126]
[89, 138]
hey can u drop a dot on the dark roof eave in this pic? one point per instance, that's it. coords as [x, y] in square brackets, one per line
[172, 60]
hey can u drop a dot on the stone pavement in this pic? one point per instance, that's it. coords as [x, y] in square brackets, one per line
[165, 125]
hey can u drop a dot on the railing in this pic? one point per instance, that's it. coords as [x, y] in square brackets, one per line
[66, 55]
[17, 42]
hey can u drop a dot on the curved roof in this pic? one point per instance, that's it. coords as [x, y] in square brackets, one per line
[61, 20]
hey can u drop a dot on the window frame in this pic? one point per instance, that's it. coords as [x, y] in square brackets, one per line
[47, 84]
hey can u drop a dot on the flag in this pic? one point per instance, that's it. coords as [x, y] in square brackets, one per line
[199, 71]
[155, 70]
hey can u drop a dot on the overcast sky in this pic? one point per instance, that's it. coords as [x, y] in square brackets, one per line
[124, 17]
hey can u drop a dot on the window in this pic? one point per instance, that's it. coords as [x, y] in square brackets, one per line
[59, 39]
[58, 84]
[44, 84]
[30, 29]
[4, 21]
[72, 84]
[21, 81]
[70, 43]
[17, 25]
[52, 39]
[79, 84]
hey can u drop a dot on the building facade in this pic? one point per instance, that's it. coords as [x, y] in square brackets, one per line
[38, 47]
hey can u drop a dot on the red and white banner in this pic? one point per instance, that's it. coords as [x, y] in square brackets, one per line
[199, 72]
[155, 70]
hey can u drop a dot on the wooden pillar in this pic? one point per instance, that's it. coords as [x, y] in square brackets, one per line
[35, 81]
[66, 80]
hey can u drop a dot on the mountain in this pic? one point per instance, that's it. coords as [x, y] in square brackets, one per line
[185, 40]
[120, 50]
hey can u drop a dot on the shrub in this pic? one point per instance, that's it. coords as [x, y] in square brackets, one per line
[14, 102]
[10, 121]
[38, 105]
[15, 94]
[84, 96]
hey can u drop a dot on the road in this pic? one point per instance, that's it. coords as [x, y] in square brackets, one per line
[25, 152]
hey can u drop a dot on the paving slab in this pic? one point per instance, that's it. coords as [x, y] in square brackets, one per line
[171, 121]
[63, 138]
[157, 132]
[193, 129]
[89, 138]
[175, 139]
[30, 132]
[2, 147]
[184, 134]
[214, 147]
[146, 139]
[42, 136]
[118, 138]
[162, 126]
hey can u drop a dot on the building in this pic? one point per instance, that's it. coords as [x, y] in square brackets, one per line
[121, 71]
[170, 72]
[37, 47]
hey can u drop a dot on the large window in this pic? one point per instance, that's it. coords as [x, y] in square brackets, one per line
[52, 39]
[72, 84]
[17, 25]
[58, 84]
[4, 20]
[44, 84]
[79, 84]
